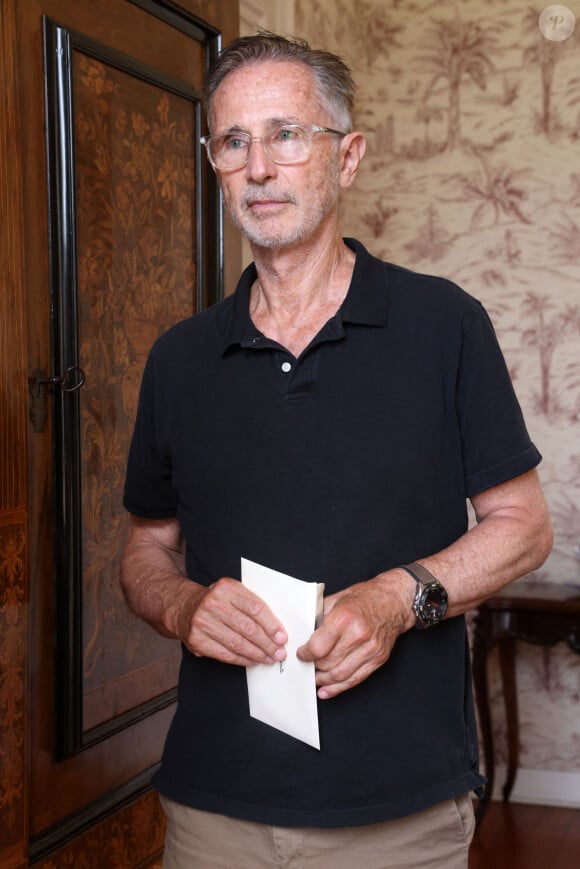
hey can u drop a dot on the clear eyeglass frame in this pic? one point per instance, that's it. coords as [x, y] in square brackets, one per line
[304, 134]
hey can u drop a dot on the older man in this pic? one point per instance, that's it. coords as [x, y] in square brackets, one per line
[328, 420]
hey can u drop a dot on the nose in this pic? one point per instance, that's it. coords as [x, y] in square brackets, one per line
[259, 166]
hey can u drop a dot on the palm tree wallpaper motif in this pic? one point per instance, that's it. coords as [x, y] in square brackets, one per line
[498, 192]
[550, 327]
[457, 49]
[425, 115]
[472, 119]
[546, 55]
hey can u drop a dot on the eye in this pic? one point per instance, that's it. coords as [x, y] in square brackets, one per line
[234, 142]
[287, 134]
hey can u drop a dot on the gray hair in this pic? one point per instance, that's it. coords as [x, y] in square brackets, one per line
[334, 81]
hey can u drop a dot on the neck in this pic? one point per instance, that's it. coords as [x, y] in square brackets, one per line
[302, 278]
[299, 289]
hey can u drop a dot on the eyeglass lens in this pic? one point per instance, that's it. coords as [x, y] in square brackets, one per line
[289, 144]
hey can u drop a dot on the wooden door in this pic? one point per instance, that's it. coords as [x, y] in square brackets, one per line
[115, 233]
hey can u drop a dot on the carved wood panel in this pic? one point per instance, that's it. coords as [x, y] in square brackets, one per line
[137, 275]
[12, 683]
[13, 471]
[129, 253]
[127, 840]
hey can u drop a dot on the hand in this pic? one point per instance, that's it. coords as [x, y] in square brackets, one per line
[359, 631]
[228, 622]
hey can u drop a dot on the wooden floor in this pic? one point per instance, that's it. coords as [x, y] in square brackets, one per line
[514, 836]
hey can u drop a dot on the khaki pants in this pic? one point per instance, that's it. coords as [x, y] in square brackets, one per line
[437, 838]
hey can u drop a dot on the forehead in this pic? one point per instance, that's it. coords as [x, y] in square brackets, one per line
[264, 91]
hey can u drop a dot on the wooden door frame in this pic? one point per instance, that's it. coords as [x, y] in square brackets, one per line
[132, 807]
[13, 451]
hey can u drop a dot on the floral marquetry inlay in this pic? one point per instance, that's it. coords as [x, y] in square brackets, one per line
[125, 841]
[135, 189]
[12, 642]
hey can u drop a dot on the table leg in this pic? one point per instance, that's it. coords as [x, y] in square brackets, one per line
[510, 693]
[481, 648]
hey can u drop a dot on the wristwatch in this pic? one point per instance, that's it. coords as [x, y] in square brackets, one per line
[430, 604]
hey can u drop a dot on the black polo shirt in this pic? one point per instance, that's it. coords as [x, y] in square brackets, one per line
[354, 458]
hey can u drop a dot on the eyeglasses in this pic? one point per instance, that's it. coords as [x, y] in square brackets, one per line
[288, 144]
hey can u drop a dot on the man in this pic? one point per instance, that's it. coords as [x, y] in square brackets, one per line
[328, 420]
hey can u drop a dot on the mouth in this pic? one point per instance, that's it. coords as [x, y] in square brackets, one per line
[265, 202]
[265, 205]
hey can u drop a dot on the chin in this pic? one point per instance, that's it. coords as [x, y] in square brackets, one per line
[272, 239]
[277, 243]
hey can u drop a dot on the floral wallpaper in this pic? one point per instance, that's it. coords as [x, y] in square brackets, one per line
[472, 118]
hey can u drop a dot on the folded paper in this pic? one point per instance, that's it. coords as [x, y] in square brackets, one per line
[283, 695]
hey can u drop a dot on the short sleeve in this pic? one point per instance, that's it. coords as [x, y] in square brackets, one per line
[496, 443]
[149, 492]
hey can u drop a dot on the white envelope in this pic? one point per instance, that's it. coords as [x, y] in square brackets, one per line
[284, 695]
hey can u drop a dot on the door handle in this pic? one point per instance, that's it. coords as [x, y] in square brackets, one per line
[39, 384]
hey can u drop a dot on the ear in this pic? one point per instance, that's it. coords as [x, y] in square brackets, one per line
[352, 149]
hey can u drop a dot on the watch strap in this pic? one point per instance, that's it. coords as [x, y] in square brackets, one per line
[425, 580]
[418, 572]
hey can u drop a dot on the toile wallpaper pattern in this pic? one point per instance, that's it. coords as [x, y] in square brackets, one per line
[472, 120]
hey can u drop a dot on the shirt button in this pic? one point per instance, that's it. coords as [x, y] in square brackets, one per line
[286, 367]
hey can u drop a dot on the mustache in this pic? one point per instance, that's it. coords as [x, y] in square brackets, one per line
[263, 194]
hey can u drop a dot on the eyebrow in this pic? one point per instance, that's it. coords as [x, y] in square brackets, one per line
[269, 124]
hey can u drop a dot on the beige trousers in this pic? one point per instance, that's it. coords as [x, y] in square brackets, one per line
[437, 838]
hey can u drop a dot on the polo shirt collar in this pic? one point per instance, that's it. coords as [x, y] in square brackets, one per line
[366, 302]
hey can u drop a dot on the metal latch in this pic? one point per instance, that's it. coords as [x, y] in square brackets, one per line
[38, 384]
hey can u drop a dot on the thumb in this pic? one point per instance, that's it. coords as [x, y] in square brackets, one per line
[304, 653]
[332, 599]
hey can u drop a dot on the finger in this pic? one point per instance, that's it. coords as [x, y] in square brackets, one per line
[243, 639]
[332, 599]
[222, 618]
[320, 645]
[231, 649]
[338, 675]
[252, 606]
[338, 635]
[335, 687]
[344, 663]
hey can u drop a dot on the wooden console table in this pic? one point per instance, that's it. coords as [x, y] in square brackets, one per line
[542, 614]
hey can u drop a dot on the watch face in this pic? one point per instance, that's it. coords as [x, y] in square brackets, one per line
[433, 603]
[436, 600]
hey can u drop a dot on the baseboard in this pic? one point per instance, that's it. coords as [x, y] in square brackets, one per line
[541, 786]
